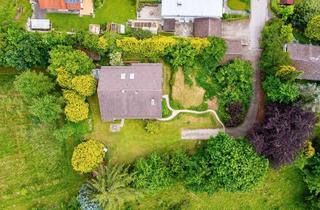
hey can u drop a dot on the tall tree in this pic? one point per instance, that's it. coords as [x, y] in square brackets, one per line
[283, 134]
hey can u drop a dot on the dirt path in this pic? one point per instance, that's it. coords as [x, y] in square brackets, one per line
[259, 16]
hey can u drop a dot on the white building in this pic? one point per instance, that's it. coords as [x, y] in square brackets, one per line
[187, 10]
[39, 24]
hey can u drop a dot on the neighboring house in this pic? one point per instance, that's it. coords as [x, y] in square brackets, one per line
[188, 10]
[287, 2]
[82, 7]
[307, 59]
[204, 27]
[39, 24]
[130, 92]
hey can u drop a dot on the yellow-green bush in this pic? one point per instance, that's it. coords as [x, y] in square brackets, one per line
[64, 78]
[71, 96]
[198, 44]
[87, 156]
[85, 85]
[76, 112]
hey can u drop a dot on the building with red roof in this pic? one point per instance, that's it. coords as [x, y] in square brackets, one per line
[286, 2]
[60, 5]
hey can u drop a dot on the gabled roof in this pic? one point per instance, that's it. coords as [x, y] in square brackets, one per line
[60, 4]
[307, 59]
[191, 8]
[130, 92]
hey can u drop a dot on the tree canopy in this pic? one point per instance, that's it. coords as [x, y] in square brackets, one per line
[313, 28]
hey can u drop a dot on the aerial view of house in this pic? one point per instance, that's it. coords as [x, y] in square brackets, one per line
[159, 104]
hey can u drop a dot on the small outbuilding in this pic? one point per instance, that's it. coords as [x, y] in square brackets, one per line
[130, 92]
[307, 59]
[287, 2]
[40, 24]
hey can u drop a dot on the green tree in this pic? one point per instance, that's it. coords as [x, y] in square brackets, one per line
[64, 78]
[47, 108]
[280, 91]
[87, 156]
[85, 85]
[304, 11]
[111, 187]
[73, 61]
[77, 111]
[226, 163]
[31, 84]
[313, 28]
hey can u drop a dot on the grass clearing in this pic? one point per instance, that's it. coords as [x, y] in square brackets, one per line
[133, 141]
[35, 167]
[187, 96]
[15, 10]
[238, 5]
[118, 11]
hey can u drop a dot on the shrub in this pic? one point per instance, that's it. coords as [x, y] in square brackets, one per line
[304, 11]
[165, 110]
[139, 33]
[310, 94]
[283, 134]
[226, 163]
[116, 58]
[152, 127]
[235, 113]
[72, 97]
[47, 109]
[313, 28]
[87, 156]
[289, 73]
[280, 91]
[64, 78]
[84, 199]
[151, 173]
[85, 85]
[309, 150]
[73, 61]
[76, 112]
[31, 84]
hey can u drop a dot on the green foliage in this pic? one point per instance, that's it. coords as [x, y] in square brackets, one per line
[280, 91]
[233, 83]
[87, 156]
[226, 163]
[85, 85]
[64, 78]
[139, 33]
[77, 111]
[31, 84]
[98, 3]
[111, 187]
[283, 12]
[92, 42]
[152, 127]
[289, 73]
[74, 62]
[47, 108]
[165, 110]
[71, 97]
[22, 50]
[304, 11]
[151, 173]
[71, 130]
[311, 177]
[313, 28]
[180, 55]
[116, 58]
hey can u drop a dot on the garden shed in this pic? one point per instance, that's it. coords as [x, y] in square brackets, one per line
[130, 92]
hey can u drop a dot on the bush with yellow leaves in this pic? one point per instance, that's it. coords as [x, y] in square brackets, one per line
[87, 156]
[77, 112]
[71, 96]
[85, 85]
[64, 78]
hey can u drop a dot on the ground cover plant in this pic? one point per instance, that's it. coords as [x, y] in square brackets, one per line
[118, 11]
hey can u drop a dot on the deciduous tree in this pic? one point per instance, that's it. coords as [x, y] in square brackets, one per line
[85, 85]
[313, 28]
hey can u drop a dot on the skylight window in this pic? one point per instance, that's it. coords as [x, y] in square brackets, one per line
[123, 76]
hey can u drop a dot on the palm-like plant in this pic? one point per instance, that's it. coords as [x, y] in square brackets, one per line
[110, 188]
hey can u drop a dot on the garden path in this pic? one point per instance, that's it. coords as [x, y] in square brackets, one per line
[259, 16]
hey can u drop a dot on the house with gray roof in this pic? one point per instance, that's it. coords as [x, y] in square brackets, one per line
[305, 58]
[130, 92]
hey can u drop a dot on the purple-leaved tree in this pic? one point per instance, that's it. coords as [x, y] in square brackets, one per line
[283, 134]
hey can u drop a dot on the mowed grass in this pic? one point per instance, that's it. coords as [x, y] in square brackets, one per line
[15, 11]
[35, 167]
[133, 141]
[186, 95]
[282, 190]
[238, 5]
[118, 11]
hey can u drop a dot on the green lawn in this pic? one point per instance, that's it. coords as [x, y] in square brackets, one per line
[118, 11]
[133, 141]
[35, 167]
[238, 5]
[15, 10]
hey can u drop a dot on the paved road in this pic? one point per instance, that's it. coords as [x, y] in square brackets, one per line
[259, 16]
